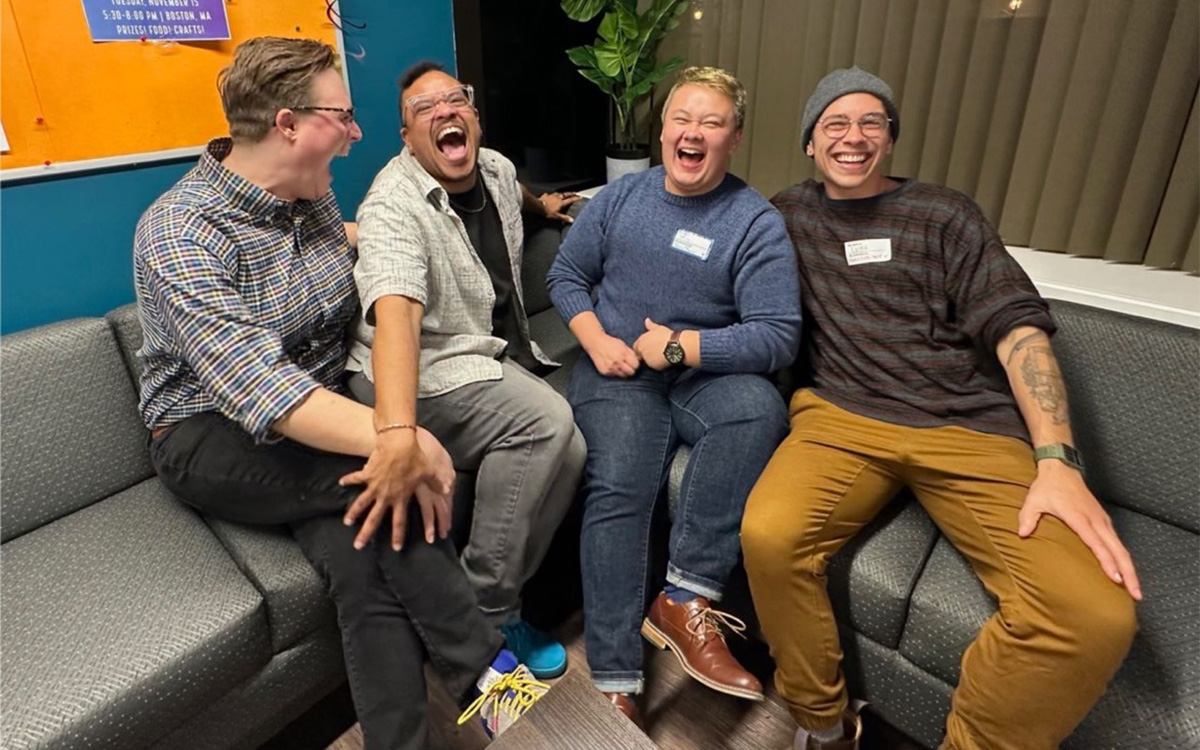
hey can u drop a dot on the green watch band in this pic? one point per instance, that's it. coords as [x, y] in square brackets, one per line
[1061, 451]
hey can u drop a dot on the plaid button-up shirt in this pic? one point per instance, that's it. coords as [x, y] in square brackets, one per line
[243, 299]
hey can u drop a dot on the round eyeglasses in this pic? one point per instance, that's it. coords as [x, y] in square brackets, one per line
[459, 97]
[870, 125]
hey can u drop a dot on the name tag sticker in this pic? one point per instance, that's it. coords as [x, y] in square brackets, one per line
[692, 244]
[868, 251]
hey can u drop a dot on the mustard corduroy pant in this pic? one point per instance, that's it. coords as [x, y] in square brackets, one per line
[1043, 659]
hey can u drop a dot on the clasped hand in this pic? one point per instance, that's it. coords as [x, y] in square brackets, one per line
[405, 464]
[652, 344]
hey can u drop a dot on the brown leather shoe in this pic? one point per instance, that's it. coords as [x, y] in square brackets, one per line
[627, 704]
[693, 632]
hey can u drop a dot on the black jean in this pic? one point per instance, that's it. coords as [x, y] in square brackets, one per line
[394, 608]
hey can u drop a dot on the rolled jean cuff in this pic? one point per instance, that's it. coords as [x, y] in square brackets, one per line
[702, 586]
[619, 682]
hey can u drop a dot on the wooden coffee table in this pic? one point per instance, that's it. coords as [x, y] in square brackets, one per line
[573, 716]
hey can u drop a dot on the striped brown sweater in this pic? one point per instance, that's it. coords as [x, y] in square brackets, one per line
[909, 340]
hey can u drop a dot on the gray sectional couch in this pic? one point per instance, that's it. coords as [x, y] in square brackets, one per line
[128, 620]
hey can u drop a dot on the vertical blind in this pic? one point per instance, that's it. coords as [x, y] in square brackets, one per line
[1073, 123]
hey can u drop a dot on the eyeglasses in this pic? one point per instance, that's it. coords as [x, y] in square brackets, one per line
[346, 112]
[459, 97]
[872, 125]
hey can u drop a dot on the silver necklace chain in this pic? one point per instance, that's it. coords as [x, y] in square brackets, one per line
[482, 205]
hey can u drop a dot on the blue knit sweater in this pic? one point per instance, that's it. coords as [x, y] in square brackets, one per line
[721, 263]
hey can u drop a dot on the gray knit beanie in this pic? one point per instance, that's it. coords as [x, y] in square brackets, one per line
[836, 85]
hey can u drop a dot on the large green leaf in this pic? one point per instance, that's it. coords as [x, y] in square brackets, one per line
[609, 27]
[583, 10]
[584, 57]
[627, 21]
[608, 59]
[604, 82]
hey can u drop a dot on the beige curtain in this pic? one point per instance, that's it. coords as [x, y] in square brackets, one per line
[1073, 123]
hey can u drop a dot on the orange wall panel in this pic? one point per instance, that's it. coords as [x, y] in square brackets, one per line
[100, 99]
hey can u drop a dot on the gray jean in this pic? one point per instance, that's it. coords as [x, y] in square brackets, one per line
[519, 436]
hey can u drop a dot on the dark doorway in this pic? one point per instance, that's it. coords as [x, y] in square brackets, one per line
[535, 107]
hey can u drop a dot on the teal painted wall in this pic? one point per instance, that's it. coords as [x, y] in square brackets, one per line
[66, 243]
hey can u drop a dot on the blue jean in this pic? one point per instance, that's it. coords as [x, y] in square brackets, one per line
[632, 428]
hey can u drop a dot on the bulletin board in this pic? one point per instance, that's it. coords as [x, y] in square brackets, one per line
[67, 100]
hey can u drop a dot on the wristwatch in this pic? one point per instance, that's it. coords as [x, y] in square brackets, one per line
[1061, 451]
[673, 352]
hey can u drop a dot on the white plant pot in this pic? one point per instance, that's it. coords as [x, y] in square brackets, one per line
[616, 168]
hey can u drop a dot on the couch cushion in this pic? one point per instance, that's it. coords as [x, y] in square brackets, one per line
[872, 577]
[120, 621]
[906, 696]
[542, 239]
[549, 331]
[297, 604]
[254, 711]
[1155, 696]
[1135, 404]
[1154, 701]
[948, 607]
[69, 432]
[128, 329]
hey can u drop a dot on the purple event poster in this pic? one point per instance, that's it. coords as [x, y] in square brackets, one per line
[156, 20]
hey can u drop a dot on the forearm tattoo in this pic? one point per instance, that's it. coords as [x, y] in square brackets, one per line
[1040, 372]
[1023, 342]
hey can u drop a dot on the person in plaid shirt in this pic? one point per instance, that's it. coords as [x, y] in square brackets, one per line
[244, 280]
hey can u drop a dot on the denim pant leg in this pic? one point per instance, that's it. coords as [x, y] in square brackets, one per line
[519, 435]
[630, 441]
[734, 423]
[212, 464]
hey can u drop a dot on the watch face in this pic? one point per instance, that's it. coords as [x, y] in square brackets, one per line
[673, 353]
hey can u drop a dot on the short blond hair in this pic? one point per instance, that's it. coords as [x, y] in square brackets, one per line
[269, 73]
[718, 80]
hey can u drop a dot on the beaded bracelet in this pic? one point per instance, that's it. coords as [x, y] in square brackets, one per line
[395, 426]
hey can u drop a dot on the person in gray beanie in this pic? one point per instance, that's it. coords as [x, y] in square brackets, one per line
[932, 368]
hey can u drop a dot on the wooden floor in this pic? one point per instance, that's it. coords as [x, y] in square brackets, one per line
[681, 714]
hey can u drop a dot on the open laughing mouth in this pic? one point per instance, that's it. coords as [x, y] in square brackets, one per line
[851, 160]
[689, 157]
[452, 142]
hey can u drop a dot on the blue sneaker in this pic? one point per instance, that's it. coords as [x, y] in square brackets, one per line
[545, 657]
[504, 693]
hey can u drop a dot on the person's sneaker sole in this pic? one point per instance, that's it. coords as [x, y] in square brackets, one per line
[662, 641]
[548, 674]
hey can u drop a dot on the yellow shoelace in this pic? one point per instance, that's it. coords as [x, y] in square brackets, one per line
[525, 691]
[708, 620]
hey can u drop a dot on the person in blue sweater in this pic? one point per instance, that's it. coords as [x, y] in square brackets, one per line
[696, 299]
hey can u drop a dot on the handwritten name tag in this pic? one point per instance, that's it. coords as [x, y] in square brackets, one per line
[868, 251]
[692, 244]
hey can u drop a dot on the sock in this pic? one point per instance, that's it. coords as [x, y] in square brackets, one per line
[679, 595]
[504, 663]
[833, 734]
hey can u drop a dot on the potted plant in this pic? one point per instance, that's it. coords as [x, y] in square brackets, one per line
[622, 63]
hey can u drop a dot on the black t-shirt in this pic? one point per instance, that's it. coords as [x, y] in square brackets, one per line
[482, 221]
